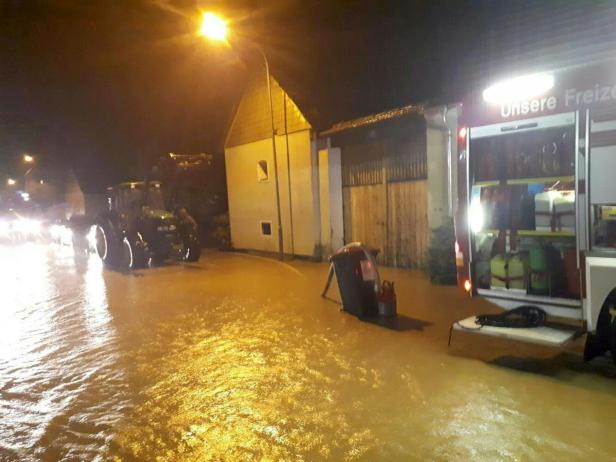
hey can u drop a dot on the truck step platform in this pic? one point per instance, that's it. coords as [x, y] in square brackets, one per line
[556, 336]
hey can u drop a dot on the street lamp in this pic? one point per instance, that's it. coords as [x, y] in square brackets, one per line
[28, 159]
[11, 182]
[214, 28]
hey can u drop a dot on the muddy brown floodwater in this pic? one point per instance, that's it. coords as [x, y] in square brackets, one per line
[238, 358]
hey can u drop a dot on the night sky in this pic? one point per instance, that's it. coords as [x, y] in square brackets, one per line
[108, 86]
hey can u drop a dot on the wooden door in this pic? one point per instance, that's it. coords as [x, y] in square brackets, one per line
[365, 217]
[407, 228]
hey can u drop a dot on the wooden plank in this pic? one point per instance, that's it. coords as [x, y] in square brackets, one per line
[364, 216]
[401, 208]
[408, 223]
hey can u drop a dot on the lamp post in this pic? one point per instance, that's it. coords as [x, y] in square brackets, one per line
[214, 28]
[28, 160]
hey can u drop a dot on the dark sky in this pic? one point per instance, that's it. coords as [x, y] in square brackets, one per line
[108, 85]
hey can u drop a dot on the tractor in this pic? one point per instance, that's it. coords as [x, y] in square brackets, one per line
[136, 230]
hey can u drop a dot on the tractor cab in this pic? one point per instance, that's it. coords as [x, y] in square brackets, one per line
[129, 197]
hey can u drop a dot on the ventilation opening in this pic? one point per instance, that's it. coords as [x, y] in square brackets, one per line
[266, 228]
[262, 171]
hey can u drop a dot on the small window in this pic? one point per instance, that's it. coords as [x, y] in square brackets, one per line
[266, 228]
[262, 171]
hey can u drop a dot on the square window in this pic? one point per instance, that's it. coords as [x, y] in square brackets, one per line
[266, 228]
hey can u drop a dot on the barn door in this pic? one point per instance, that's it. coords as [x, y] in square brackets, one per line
[365, 198]
[385, 199]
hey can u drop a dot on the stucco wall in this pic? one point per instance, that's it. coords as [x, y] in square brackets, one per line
[437, 140]
[251, 201]
[330, 197]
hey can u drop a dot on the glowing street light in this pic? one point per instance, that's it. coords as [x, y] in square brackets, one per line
[28, 159]
[214, 28]
[11, 182]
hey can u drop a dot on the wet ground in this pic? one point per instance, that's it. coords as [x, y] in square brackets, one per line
[238, 358]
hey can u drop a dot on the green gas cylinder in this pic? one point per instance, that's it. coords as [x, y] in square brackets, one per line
[539, 275]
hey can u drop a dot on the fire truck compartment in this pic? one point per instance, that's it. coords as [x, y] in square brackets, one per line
[522, 213]
[555, 336]
[536, 218]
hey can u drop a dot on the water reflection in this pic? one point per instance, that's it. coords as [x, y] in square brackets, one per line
[242, 360]
[248, 386]
[98, 320]
[55, 339]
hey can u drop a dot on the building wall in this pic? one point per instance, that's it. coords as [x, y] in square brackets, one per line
[442, 183]
[252, 201]
[330, 201]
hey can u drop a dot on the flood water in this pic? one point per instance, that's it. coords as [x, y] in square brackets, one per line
[238, 358]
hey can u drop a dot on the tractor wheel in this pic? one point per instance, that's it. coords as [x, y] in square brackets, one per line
[133, 254]
[107, 246]
[604, 339]
[192, 249]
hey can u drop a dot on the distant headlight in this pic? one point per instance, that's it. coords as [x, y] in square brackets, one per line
[28, 227]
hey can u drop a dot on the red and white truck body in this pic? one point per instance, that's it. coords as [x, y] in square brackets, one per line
[536, 217]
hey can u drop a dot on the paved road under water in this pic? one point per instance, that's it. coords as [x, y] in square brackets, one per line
[238, 358]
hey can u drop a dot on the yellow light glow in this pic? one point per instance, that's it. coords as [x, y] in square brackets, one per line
[213, 27]
[11, 182]
[28, 158]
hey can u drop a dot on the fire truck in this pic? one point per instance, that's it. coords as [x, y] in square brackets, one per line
[536, 219]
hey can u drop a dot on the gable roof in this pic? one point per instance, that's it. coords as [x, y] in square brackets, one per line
[252, 118]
